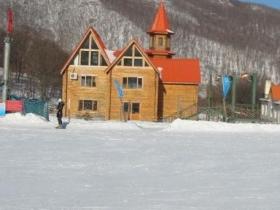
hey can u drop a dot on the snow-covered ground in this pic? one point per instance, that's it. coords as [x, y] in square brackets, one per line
[138, 165]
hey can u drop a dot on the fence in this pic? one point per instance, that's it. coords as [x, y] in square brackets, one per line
[241, 113]
[37, 107]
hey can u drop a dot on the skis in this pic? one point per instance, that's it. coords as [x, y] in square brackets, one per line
[60, 127]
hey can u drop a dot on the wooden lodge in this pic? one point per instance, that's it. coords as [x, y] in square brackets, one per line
[132, 83]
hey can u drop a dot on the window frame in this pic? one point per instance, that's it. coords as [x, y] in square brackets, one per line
[125, 85]
[129, 107]
[160, 42]
[133, 58]
[139, 107]
[90, 51]
[94, 105]
[93, 81]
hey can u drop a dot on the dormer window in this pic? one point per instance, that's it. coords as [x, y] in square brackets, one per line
[133, 57]
[90, 54]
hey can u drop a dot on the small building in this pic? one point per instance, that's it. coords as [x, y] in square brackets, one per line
[270, 104]
[131, 83]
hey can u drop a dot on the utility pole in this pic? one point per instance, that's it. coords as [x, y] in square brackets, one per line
[210, 89]
[254, 90]
[233, 93]
[7, 42]
[7, 49]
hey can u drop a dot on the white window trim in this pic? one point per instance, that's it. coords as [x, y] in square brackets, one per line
[91, 50]
[88, 75]
[87, 110]
[133, 57]
[130, 106]
[142, 88]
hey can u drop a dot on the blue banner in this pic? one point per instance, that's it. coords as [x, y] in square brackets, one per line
[227, 82]
[119, 88]
[2, 109]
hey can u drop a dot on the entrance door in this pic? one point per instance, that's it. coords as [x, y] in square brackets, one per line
[131, 110]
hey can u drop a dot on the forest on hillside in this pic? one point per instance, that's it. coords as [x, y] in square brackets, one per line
[227, 36]
[34, 64]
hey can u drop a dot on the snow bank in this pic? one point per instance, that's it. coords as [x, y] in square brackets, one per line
[18, 118]
[205, 126]
[32, 120]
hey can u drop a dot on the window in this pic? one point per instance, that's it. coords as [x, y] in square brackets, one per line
[94, 58]
[132, 82]
[133, 57]
[126, 107]
[168, 43]
[88, 81]
[127, 61]
[160, 41]
[84, 57]
[90, 55]
[138, 62]
[87, 105]
[135, 108]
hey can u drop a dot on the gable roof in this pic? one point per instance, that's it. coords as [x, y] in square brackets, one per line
[275, 92]
[99, 42]
[161, 23]
[178, 70]
[121, 52]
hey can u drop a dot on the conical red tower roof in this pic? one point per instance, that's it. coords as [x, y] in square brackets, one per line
[161, 23]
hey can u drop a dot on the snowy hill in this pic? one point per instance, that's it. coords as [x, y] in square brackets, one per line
[226, 34]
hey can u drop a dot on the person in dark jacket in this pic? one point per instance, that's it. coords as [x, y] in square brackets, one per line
[59, 114]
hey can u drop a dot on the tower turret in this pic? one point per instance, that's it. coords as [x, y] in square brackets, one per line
[160, 35]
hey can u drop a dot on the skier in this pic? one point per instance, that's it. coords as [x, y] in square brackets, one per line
[59, 109]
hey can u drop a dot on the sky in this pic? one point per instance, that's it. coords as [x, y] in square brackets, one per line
[271, 3]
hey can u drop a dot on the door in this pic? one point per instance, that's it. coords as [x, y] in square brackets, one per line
[131, 110]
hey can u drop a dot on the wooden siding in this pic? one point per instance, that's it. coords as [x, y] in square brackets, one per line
[157, 100]
[146, 96]
[75, 92]
[177, 99]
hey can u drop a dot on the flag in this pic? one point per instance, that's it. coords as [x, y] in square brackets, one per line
[227, 82]
[10, 21]
[119, 88]
[2, 109]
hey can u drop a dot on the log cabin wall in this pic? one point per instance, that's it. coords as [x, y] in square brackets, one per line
[146, 96]
[178, 99]
[75, 92]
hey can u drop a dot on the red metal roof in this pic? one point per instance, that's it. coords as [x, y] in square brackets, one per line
[178, 70]
[275, 92]
[118, 52]
[161, 23]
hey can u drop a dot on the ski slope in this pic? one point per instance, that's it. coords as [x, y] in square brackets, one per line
[138, 165]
